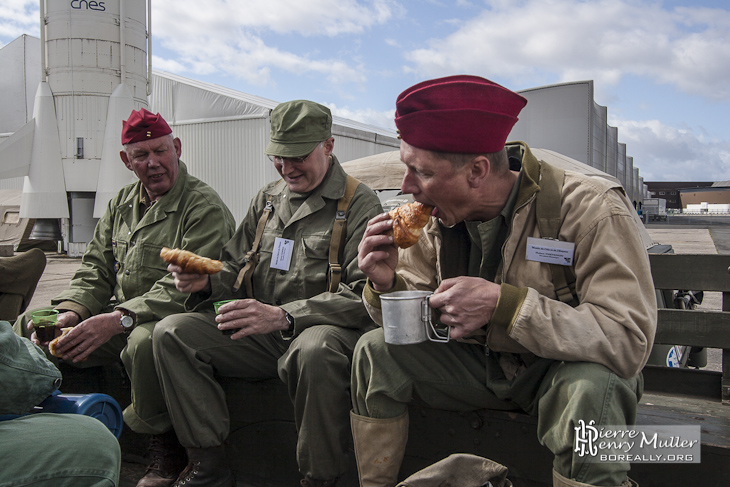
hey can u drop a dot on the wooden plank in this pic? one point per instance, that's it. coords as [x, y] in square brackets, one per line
[675, 380]
[699, 272]
[699, 328]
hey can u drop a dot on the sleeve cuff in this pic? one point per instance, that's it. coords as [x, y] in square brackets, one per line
[80, 310]
[372, 297]
[508, 306]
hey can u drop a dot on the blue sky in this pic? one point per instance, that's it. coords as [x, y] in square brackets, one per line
[661, 67]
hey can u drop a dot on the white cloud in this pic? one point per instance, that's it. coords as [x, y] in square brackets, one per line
[601, 40]
[383, 119]
[665, 153]
[228, 37]
[19, 17]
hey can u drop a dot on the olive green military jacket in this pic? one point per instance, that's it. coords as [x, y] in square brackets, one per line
[123, 259]
[301, 291]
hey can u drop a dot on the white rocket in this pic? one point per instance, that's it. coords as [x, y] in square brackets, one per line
[94, 71]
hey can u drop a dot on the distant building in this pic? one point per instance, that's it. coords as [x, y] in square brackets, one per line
[671, 191]
[713, 199]
[565, 118]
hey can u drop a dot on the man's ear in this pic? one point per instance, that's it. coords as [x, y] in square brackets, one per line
[479, 170]
[178, 146]
[125, 160]
[329, 146]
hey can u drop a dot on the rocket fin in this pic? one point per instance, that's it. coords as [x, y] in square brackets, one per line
[44, 188]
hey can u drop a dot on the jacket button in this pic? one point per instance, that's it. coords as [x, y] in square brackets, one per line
[126, 272]
[282, 273]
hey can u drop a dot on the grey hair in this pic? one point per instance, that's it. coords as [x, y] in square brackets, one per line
[499, 160]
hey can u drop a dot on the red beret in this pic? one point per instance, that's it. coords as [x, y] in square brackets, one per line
[142, 125]
[463, 114]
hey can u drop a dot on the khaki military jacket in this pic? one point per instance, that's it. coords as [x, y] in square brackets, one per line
[615, 322]
[123, 262]
[302, 290]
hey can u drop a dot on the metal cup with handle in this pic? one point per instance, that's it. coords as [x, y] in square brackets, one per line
[407, 318]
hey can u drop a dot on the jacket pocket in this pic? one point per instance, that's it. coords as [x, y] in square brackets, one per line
[314, 263]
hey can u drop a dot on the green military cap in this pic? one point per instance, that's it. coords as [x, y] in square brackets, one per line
[297, 127]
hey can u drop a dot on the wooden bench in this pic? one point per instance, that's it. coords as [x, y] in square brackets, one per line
[263, 435]
[678, 396]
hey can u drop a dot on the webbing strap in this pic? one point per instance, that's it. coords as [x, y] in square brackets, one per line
[339, 233]
[547, 206]
[252, 256]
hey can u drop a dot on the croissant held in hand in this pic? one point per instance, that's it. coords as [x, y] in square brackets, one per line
[191, 263]
[408, 220]
[54, 343]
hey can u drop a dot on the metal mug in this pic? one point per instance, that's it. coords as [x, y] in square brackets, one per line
[407, 318]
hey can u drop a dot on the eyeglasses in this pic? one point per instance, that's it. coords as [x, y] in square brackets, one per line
[290, 160]
[293, 160]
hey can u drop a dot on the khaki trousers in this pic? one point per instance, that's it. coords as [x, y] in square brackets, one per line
[462, 377]
[191, 352]
[148, 413]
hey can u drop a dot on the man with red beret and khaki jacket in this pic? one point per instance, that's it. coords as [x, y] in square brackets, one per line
[123, 288]
[520, 340]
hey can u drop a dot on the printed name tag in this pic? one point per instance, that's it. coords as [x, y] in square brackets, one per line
[281, 257]
[550, 251]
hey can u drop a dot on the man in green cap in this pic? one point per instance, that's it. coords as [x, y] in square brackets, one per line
[297, 312]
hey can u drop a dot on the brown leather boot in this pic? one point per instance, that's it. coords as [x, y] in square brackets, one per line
[207, 467]
[167, 460]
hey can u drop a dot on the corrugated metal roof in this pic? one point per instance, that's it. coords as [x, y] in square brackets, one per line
[263, 103]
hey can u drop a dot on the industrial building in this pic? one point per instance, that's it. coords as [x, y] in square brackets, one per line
[65, 95]
[671, 190]
[565, 118]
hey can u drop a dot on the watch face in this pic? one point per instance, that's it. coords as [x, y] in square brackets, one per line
[127, 321]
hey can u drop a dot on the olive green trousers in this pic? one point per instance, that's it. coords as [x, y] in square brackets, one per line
[58, 450]
[148, 413]
[191, 353]
[464, 377]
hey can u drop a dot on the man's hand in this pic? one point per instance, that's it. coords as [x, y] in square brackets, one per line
[377, 256]
[466, 303]
[251, 317]
[89, 335]
[63, 320]
[188, 282]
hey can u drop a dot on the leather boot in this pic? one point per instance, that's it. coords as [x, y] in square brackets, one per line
[560, 481]
[380, 445]
[207, 467]
[167, 460]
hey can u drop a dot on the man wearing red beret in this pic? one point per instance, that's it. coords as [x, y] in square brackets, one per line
[539, 273]
[122, 288]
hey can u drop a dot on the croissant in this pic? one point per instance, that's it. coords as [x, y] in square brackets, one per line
[408, 220]
[54, 343]
[190, 262]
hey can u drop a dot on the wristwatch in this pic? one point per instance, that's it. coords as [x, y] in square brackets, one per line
[127, 320]
[290, 319]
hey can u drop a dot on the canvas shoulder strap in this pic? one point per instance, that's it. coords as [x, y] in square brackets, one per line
[245, 275]
[337, 242]
[548, 206]
[339, 233]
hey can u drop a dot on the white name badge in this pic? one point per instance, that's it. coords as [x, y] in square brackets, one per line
[281, 257]
[550, 251]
